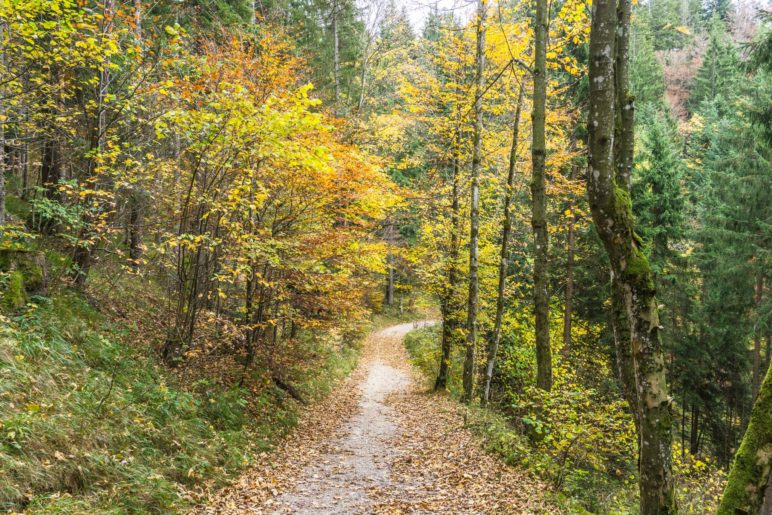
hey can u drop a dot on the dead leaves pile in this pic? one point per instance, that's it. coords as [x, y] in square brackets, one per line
[437, 465]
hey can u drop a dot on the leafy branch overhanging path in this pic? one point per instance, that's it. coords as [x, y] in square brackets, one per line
[381, 444]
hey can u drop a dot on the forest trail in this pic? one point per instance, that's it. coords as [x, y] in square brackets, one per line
[381, 444]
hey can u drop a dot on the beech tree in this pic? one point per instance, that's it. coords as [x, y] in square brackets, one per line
[474, 220]
[541, 297]
[610, 163]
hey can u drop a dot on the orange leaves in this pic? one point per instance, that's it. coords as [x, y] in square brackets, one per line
[263, 181]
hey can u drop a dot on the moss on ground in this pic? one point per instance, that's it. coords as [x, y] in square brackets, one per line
[14, 296]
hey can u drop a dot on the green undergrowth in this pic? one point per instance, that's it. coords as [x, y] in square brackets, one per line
[578, 439]
[517, 442]
[90, 424]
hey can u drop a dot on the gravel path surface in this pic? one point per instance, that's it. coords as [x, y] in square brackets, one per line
[381, 444]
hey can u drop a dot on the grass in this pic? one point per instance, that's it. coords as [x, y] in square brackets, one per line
[90, 424]
[699, 482]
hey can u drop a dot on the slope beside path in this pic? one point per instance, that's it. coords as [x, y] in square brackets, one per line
[380, 444]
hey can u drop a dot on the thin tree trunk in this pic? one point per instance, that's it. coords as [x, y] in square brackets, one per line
[25, 164]
[474, 232]
[612, 214]
[363, 76]
[82, 255]
[757, 372]
[390, 285]
[506, 232]
[568, 300]
[135, 194]
[2, 130]
[336, 52]
[539, 201]
[138, 21]
[451, 308]
[135, 229]
[694, 433]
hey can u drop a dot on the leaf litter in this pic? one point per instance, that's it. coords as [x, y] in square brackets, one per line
[381, 444]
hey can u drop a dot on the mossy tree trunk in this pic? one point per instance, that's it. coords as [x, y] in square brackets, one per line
[612, 215]
[749, 486]
[539, 201]
[474, 218]
[506, 233]
[620, 325]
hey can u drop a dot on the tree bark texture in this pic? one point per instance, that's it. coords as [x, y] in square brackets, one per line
[612, 213]
[539, 201]
[451, 307]
[474, 231]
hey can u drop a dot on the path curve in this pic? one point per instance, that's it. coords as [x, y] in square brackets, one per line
[380, 444]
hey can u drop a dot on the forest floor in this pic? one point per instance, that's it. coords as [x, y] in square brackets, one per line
[380, 443]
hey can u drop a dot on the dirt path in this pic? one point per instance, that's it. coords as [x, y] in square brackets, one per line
[381, 444]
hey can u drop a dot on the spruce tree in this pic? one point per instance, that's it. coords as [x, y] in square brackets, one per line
[718, 73]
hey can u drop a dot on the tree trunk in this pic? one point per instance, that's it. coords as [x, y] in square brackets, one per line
[2, 130]
[694, 433]
[363, 75]
[749, 485]
[539, 201]
[451, 308]
[506, 232]
[336, 53]
[84, 249]
[474, 231]
[612, 214]
[620, 324]
[757, 371]
[51, 168]
[390, 286]
[135, 230]
[138, 21]
[568, 301]
[136, 196]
